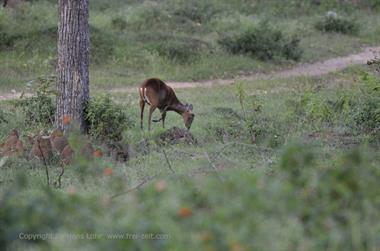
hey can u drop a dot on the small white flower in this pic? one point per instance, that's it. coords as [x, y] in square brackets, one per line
[331, 14]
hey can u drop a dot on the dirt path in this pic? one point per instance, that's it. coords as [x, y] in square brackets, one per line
[314, 69]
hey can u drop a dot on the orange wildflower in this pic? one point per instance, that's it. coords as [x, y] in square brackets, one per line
[71, 190]
[235, 246]
[184, 212]
[97, 153]
[160, 186]
[107, 171]
[66, 119]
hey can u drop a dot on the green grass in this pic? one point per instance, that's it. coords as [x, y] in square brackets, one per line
[306, 180]
[123, 55]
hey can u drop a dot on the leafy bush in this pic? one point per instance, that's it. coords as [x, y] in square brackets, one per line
[106, 119]
[317, 107]
[180, 50]
[367, 114]
[295, 158]
[334, 23]
[118, 23]
[176, 48]
[39, 109]
[2, 117]
[262, 42]
[195, 10]
[6, 39]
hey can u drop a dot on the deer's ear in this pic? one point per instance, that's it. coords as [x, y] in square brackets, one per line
[190, 107]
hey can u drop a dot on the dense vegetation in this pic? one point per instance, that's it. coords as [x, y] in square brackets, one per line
[278, 164]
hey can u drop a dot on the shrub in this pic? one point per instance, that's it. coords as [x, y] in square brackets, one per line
[176, 48]
[334, 23]
[367, 114]
[39, 109]
[118, 23]
[196, 10]
[106, 119]
[317, 107]
[262, 42]
[295, 158]
[2, 117]
[6, 39]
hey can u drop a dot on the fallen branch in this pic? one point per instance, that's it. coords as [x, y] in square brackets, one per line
[213, 167]
[44, 161]
[60, 175]
[167, 161]
[145, 180]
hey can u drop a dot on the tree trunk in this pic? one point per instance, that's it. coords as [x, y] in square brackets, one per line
[73, 62]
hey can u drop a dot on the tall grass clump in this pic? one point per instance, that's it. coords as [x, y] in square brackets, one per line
[367, 112]
[262, 42]
[176, 48]
[194, 10]
[332, 22]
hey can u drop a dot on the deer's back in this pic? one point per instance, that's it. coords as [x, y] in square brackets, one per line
[156, 89]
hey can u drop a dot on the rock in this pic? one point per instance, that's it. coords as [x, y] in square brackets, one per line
[41, 148]
[87, 151]
[12, 145]
[67, 155]
[58, 141]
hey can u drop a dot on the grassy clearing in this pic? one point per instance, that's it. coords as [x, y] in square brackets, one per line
[175, 40]
[308, 179]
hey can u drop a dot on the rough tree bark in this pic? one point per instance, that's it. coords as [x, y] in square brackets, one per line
[73, 62]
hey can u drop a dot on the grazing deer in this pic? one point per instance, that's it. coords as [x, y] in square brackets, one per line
[157, 94]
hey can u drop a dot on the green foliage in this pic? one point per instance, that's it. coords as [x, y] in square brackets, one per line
[334, 23]
[5, 39]
[107, 120]
[195, 10]
[241, 94]
[174, 47]
[317, 107]
[118, 23]
[301, 193]
[262, 42]
[2, 117]
[39, 109]
[102, 45]
[295, 158]
[367, 114]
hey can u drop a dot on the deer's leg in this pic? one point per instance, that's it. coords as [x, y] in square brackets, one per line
[163, 115]
[151, 110]
[142, 106]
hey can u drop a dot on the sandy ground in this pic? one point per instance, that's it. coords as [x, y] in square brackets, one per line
[314, 69]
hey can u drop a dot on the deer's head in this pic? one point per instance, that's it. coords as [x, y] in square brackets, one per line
[188, 116]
